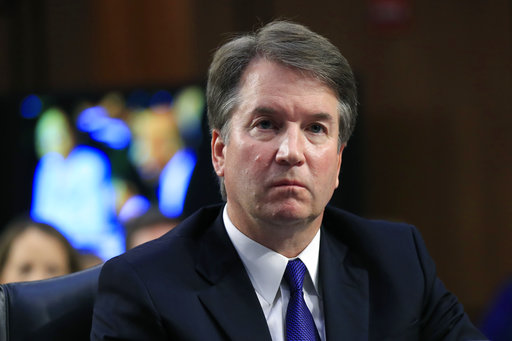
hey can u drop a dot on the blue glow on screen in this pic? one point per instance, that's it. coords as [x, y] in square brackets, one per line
[161, 97]
[174, 181]
[31, 106]
[75, 194]
[92, 119]
[134, 207]
[113, 132]
[88, 190]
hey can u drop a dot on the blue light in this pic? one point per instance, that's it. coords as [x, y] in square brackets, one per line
[92, 119]
[102, 128]
[161, 97]
[31, 106]
[114, 134]
[133, 207]
[174, 181]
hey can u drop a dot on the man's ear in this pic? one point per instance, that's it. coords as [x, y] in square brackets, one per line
[339, 158]
[217, 146]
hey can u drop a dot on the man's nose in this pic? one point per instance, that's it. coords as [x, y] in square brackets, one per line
[291, 148]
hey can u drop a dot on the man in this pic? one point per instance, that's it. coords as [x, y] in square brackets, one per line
[274, 263]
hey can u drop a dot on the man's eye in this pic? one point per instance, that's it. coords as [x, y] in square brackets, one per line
[317, 128]
[25, 268]
[265, 124]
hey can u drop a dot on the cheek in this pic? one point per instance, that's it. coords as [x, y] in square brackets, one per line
[252, 156]
[325, 166]
[248, 167]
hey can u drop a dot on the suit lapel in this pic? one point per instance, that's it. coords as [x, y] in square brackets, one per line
[230, 299]
[344, 291]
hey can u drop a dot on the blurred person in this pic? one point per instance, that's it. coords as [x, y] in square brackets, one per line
[156, 138]
[31, 250]
[148, 226]
[89, 259]
[275, 262]
[161, 157]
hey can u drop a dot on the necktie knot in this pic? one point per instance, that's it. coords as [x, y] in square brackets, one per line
[294, 274]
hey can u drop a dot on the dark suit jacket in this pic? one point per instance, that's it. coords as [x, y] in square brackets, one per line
[378, 283]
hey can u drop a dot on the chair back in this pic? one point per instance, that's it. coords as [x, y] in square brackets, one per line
[59, 308]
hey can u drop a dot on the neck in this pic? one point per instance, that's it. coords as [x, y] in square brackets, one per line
[289, 245]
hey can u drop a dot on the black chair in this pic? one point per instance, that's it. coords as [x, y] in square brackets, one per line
[53, 309]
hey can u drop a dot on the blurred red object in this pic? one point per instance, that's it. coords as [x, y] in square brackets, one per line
[390, 15]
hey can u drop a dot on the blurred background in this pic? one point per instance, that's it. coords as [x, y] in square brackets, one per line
[102, 106]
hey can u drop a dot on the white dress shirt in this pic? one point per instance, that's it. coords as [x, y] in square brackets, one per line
[266, 269]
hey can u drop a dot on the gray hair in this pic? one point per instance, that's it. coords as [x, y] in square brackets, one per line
[289, 44]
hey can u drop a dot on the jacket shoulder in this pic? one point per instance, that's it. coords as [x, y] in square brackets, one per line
[377, 242]
[339, 221]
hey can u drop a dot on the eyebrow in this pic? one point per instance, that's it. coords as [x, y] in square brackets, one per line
[321, 116]
[264, 110]
[324, 117]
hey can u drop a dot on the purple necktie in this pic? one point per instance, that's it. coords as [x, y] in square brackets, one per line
[300, 325]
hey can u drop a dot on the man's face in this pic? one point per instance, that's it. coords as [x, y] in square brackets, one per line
[281, 162]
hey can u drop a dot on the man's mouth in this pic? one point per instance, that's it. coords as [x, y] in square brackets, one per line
[288, 183]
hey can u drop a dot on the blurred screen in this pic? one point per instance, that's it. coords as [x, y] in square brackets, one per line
[100, 160]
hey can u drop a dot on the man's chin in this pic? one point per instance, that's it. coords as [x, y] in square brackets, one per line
[290, 213]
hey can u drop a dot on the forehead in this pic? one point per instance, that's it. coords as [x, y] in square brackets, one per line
[33, 240]
[277, 84]
[261, 69]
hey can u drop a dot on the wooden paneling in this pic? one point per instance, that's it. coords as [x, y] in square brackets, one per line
[142, 42]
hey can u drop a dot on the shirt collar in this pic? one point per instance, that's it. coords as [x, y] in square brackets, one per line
[266, 267]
